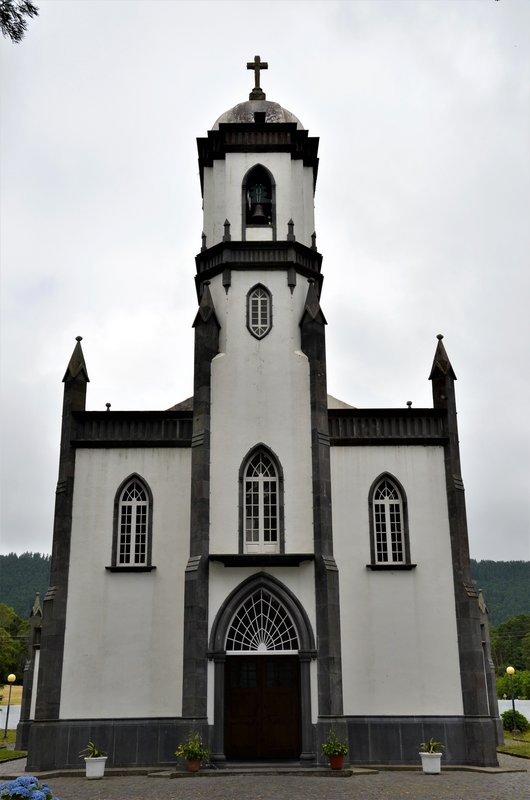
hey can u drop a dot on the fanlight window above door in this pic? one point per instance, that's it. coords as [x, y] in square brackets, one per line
[261, 625]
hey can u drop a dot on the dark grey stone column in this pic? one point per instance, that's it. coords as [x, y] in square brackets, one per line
[194, 692]
[326, 572]
[308, 746]
[480, 743]
[54, 611]
[218, 742]
[29, 683]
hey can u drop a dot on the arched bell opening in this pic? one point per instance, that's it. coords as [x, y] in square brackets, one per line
[262, 645]
[258, 203]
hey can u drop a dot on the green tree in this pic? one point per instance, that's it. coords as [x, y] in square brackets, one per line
[506, 587]
[525, 651]
[20, 577]
[14, 633]
[521, 685]
[508, 643]
[13, 14]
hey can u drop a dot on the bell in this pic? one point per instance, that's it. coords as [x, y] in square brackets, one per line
[258, 215]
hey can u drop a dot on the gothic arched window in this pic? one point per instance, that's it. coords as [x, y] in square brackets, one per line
[259, 311]
[388, 522]
[132, 525]
[261, 504]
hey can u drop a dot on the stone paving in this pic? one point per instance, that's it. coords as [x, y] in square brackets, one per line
[383, 785]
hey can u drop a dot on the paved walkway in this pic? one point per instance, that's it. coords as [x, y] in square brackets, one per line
[383, 785]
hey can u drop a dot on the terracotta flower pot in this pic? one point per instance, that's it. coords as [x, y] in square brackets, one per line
[336, 762]
[194, 765]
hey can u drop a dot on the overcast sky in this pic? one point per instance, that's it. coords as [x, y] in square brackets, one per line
[422, 215]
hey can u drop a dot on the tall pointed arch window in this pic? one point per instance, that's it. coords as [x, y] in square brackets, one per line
[261, 506]
[389, 524]
[132, 540]
[259, 311]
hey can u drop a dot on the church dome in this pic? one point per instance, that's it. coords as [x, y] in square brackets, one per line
[243, 113]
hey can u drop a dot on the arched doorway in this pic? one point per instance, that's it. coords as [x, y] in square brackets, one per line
[262, 645]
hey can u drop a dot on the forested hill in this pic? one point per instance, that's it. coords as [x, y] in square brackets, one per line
[506, 584]
[22, 576]
[506, 587]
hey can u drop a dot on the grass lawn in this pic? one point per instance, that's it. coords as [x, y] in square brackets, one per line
[6, 754]
[16, 695]
[516, 747]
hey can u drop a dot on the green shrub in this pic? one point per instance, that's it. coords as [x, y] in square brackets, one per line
[520, 720]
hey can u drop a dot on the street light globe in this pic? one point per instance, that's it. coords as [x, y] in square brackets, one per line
[11, 678]
[510, 670]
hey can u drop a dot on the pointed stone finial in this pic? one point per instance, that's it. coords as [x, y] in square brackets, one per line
[290, 231]
[312, 310]
[441, 364]
[203, 240]
[37, 608]
[76, 366]
[107, 405]
[227, 236]
[206, 307]
[314, 241]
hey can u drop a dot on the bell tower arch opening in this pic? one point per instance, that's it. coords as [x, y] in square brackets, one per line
[258, 202]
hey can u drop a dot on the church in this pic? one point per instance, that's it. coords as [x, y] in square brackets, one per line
[261, 562]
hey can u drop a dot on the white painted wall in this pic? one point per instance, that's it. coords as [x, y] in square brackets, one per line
[399, 638]
[123, 642]
[260, 394]
[222, 196]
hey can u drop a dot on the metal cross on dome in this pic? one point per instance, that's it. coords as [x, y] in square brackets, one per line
[257, 65]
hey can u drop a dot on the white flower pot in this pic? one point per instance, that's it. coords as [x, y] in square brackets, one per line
[95, 767]
[431, 763]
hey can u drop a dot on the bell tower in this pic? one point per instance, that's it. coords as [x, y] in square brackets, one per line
[261, 487]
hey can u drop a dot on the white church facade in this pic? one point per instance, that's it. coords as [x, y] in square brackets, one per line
[260, 562]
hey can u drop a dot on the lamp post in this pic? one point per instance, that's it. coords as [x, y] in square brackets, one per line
[510, 671]
[10, 679]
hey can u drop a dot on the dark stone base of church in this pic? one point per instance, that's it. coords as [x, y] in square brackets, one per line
[152, 742]
[468, 741]
[128, 742]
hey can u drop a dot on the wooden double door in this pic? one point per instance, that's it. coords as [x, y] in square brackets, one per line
[262, 707]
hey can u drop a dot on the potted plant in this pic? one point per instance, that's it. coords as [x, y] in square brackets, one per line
[193, 750]
[431, 756]
[94, 761]
[335, 750]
